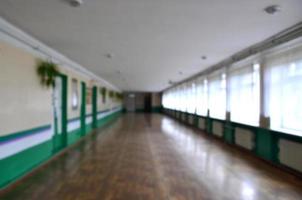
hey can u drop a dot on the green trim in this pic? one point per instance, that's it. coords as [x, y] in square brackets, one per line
[21, 134]
[229, 133]
[108, 118]
[265, 141]
[209, 125]
[156, 109]
[94, 106]
[74, 136]
[83, 108]
[64, 109]
[14, 167]
[139, 110]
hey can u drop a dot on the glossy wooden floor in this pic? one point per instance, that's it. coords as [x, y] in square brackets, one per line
[153, 157]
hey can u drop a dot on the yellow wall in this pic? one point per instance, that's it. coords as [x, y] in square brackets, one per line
[25, 104]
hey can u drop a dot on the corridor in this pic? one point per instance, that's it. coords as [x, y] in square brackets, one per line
[151, 156]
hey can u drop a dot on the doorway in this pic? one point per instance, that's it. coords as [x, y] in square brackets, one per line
[147, 102]
[130, 103]
[59, 99]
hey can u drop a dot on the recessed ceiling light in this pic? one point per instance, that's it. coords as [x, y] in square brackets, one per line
[108, 55]
[272, 9]
[170, 82]
[76, 3]
[203, 57]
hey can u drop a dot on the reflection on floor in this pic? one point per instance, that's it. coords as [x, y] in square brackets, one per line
[153, 157]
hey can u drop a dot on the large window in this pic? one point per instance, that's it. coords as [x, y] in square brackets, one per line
[283, 86]
[202, 97]
[238, 91]
[244, 94]
[191, 103]
[217, 95]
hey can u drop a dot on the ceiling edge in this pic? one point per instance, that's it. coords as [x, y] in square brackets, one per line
[18, 37]
[282, 37]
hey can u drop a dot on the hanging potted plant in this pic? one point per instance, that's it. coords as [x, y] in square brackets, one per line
[111, 93]
[119, 96]
[47, 71]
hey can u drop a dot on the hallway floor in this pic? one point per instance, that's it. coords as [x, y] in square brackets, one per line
[153, 157]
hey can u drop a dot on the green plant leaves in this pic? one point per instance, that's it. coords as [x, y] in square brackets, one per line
[47, 71]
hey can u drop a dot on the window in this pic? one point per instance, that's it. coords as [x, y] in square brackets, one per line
[191, 106]
[244, 94]
[75, 95]
[217, 95]
[283, 84]
[202, 97]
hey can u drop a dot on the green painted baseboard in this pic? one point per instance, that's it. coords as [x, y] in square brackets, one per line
[156, 109]
[265, 140]
[14, 167]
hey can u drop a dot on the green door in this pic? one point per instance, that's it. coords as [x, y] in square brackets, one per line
[94, 107]
[60, 113]
[83, 108]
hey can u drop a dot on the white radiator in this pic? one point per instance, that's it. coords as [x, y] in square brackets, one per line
[244, 138]
[191, 119]
[217, 128]
[201, 123]
[290, 154]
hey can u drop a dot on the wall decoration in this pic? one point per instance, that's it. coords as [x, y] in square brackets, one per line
[111, 94]
[75, 94]
[89, 95]
[104, 92]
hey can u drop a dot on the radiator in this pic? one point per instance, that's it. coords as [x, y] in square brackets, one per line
[244, 138]
[217, 128]
[290, 154]
[201, 123]
[191, 119]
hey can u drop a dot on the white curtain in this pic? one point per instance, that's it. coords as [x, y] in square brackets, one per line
[202, 97]
[283, 86]
[244, 94]
[191, 97]
[217, 95]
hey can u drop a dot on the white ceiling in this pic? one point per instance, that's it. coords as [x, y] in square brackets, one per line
[150, 40]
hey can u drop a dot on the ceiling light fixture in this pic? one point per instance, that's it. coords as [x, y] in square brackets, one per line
[76, 3]
[170, 82]
[108, 55]
[272, 9]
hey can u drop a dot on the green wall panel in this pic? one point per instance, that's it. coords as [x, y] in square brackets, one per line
[83, 108]
[16, 166]
[94, 106]
[21, 163]
[266, 146]
[74, 136]
[229, 132]
[156, 109]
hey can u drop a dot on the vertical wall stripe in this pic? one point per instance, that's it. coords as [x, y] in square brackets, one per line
[94, 107]
[83, 108]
